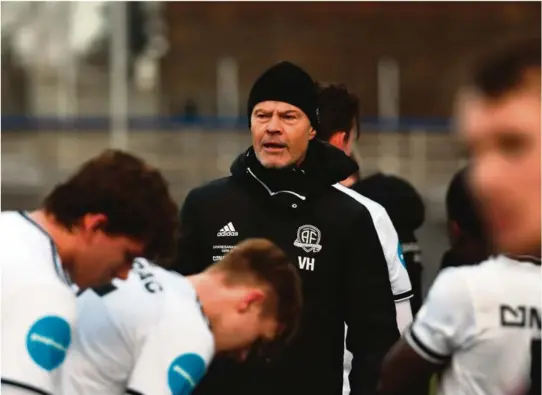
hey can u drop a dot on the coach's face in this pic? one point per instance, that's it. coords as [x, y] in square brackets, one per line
[280, 134]
[503, 137]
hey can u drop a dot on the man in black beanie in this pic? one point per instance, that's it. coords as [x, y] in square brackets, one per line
[285, 188]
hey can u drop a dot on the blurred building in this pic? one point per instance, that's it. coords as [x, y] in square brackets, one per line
[57, 57]
[337, 42]
[70, 68]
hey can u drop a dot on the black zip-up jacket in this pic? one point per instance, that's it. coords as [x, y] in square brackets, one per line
[342, 244]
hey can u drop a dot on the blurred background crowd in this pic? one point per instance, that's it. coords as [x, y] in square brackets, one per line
[169, 81]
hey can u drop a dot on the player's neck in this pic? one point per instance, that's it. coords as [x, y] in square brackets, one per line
[209, 289]
[348, 182]
[204, 286]
[58, 234]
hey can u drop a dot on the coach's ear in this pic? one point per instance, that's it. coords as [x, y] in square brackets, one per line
[251, 298]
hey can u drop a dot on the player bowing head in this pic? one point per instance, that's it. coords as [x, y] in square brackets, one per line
[161, 329]
[88, 231]
[252, 298]
[115, 208]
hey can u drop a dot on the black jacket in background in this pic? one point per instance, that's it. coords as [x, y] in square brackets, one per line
[345, 280]
[407, 212]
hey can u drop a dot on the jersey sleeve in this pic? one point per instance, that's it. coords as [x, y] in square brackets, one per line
[175, 355]
[36, 335]
[99, 361]
[399, 279]
[445, 320]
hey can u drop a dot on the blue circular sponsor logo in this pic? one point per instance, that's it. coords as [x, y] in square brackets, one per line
[400, 254]
[184, 373]
[48, 341]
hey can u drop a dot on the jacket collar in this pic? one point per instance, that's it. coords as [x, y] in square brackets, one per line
[324, 165]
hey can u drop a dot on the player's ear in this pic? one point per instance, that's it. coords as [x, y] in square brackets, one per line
[338, 140]
[92, 223]
[454, 232]
[251, 298]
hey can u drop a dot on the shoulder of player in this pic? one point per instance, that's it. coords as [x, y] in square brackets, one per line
[471, 276]
[186, 307]
[480, 279]
[356, 203]
[36, 284]
[42, 299]
[460, 286]
[184, 315]
[28, 256]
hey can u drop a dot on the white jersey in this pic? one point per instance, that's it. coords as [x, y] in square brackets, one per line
[145, 335]
[38, 307]
[484, 321]
[398, 275]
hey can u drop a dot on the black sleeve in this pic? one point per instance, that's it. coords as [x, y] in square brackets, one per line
[370, 308]
[412, 255]
[189, 257]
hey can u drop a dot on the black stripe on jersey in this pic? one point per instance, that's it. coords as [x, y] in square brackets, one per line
[133, 392]
[104, 290]
[403, 296]
[25, 387]
[58, 268]
[435, 355]
[525, 258]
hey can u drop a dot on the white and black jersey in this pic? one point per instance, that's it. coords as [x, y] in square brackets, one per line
[483, 322]
[38, 307]
[146, 335]
[398, 275]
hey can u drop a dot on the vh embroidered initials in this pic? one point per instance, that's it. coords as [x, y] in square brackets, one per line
[305, 263]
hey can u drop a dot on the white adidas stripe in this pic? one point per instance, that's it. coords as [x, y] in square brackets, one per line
[228, 228]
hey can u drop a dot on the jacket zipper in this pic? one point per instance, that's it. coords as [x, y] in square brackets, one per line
[270, 191]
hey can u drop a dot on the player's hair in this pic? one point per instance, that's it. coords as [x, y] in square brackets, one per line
[132, 195]
[507, 68]
[338, 111]
[461, 207]
[262, 262]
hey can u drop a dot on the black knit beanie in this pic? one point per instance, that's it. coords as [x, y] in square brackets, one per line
[287, 83]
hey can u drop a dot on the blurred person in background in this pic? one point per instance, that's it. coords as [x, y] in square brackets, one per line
[339, 126]
[468, 243]
[481, 325]
[285, 188]
[89, 230]
[158, 324]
